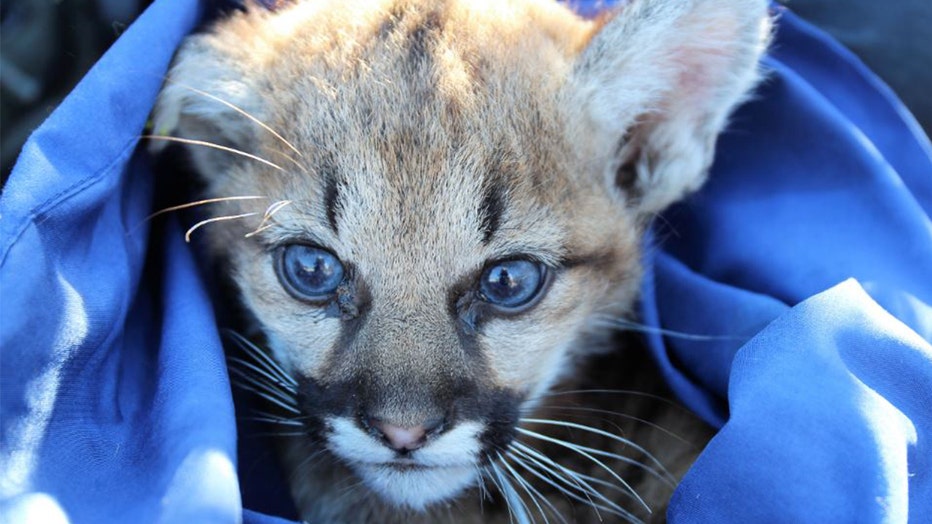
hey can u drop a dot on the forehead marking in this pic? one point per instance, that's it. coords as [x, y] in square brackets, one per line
[332, 200]
[491, 208]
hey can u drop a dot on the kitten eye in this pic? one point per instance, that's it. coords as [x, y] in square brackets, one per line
[511, 284]
[309, 273]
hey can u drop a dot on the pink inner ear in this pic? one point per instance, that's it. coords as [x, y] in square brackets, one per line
[661, 78]
[707, 53]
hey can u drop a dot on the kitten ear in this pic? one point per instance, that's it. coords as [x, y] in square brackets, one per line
[656, 84]
[214, 105]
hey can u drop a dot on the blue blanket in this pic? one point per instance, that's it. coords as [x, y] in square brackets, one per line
[802, 274]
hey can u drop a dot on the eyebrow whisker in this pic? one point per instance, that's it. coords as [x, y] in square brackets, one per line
[211, 145]
[195, 227]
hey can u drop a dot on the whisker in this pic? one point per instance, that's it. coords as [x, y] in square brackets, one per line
[545, 463]
[520, 481]
[521, 484]
[532, 493]
[201, 203]
[273, 400]
[240, 111]
[483, 489]
[277, 434]
[212, 145]
[308, 462]
[348, 489]
[646, 422]
[284, 387]
[274, 420]
[580, 476]
[669, 477]
[262, 413]
[240, 378]
[269, 213]
[262, 387]
[511, 496]
[289, 158]
[631, 392]
[501, 489]
[580, 451]
[258, 354]
[195, 227]
[572, 479]
[621, 323]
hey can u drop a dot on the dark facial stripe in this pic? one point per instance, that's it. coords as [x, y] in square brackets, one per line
[491, 209]
[388, 26]
[332, 201]
[421, 40]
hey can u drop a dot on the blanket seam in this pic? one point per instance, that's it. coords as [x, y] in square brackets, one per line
[62, 196]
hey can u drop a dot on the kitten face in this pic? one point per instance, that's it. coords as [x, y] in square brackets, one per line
[438, 218]
[411, 337]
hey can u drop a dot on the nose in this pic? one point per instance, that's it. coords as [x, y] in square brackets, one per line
[403, 439]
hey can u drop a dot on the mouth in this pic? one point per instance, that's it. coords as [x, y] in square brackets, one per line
[406, 465]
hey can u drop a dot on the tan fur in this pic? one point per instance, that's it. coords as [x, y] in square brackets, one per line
[413, 110]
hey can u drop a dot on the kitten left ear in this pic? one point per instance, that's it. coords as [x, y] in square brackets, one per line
[655, 86]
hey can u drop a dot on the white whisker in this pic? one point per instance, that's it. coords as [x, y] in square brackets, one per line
[240, 111]
[278, 434]
[532, 493]
[580, 451]
[271, 380]
[262, 413]
[631, 392]
[212, 145]
[621, 323]
[520, 482]
[667, 476]
[202, 202]
[195, 227]
[511, 496]
[622, 415]
[501, 489]
[572, 479]
[269, 213]
[612, 508]
[258, 385]
[273, 400]
[483, 489]
[274, 420]
[252, 350]
[588, 479]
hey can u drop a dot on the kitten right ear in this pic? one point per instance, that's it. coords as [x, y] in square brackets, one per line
[214, 106]
[655, 86]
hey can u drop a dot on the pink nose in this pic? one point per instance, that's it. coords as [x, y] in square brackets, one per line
[402, 439]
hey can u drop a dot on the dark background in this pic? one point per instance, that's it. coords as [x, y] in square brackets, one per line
[46, 46]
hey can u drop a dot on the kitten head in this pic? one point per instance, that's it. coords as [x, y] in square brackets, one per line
[448, 196]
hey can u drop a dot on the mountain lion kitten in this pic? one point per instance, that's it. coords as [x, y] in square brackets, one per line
[431, 211]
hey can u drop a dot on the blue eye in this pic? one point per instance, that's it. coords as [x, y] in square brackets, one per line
[309, 273]
[512, 283]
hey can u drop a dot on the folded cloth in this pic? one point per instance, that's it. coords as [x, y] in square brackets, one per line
[822, 189]
[788, 302]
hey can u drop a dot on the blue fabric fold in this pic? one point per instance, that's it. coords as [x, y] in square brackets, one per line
[115, 401]
[822, 178]
[857, 424]
[789, 302]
